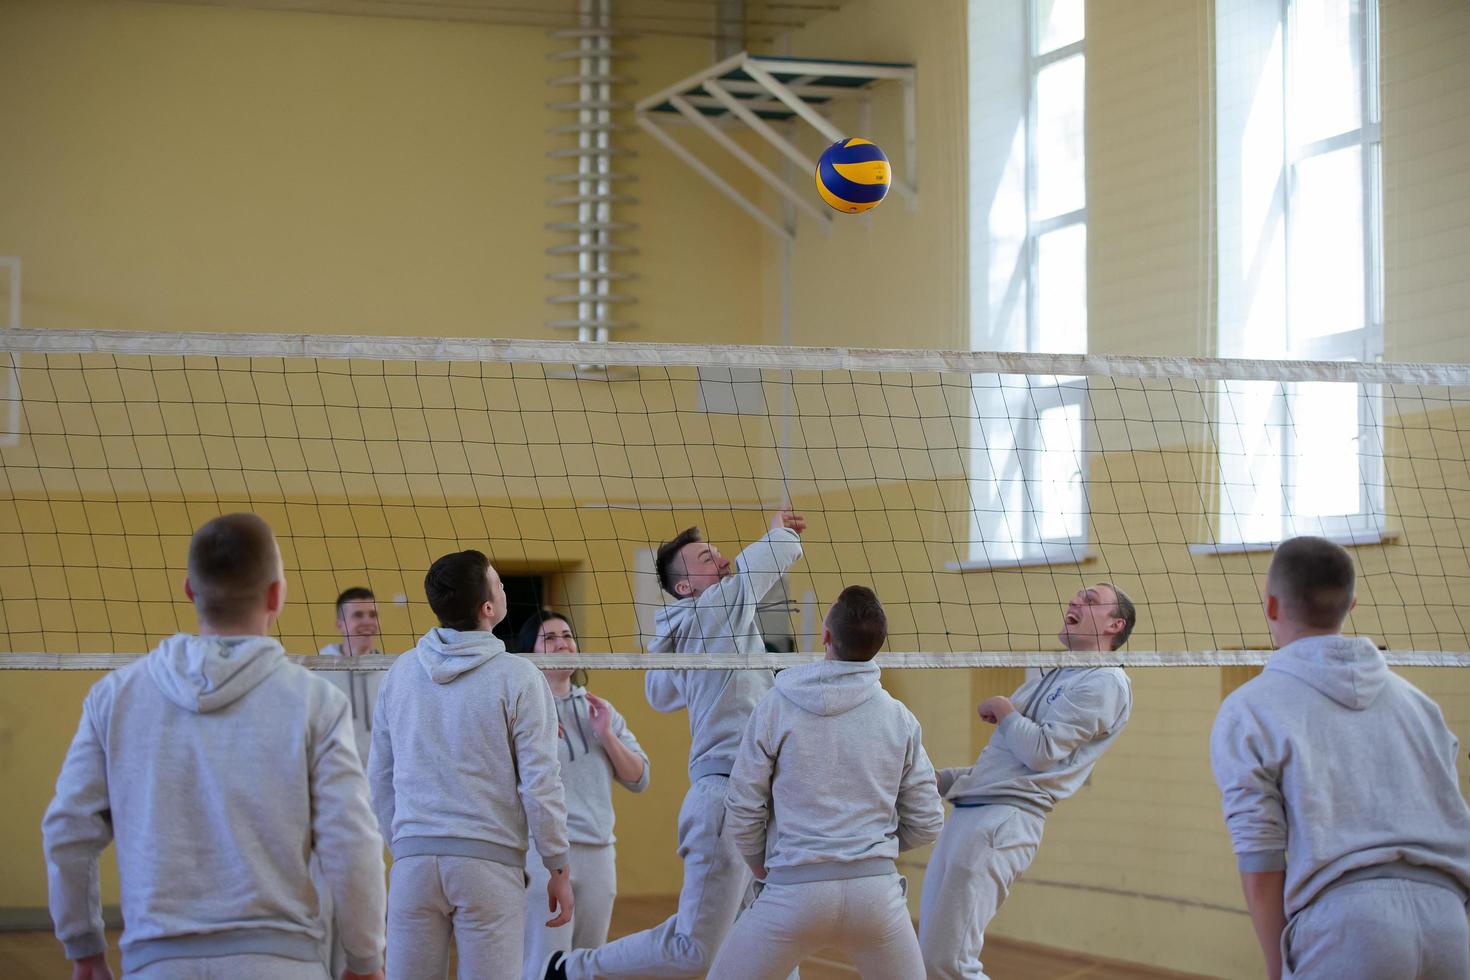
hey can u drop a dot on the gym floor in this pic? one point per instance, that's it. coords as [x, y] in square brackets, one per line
[37, 956]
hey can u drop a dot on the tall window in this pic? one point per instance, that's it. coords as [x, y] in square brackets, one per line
[1028, 235]
[1300, 263]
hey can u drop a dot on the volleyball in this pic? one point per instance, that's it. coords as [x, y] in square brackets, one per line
[853, 175]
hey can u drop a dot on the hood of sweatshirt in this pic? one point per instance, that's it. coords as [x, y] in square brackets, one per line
[829, 687]
[206, 673]
[446, 654]
[1348, 669]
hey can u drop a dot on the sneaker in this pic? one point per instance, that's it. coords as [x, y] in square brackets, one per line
[556, 967]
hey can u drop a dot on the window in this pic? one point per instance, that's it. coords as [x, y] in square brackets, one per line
[1300, 264]
[1028, 236]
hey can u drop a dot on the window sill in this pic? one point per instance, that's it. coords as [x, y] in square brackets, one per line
[1054, 555]
[1251, 547]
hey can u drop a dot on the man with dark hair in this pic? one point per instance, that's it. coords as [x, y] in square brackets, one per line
[1048, 737]
[219, 766]
[464, 761]
[1340, 793]
[824, 851]
[714, 613]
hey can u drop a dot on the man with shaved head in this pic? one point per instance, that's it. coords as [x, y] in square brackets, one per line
[1048, 736]
[1340, 793]
[217, 766]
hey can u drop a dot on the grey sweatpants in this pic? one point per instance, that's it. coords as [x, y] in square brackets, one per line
[594, 886]
[982, 850]
[866, 918]
[480, 902]
[1379, 929]
[252, 965]
[715, 881]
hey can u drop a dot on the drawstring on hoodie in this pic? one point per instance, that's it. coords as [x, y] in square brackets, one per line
[577, 721]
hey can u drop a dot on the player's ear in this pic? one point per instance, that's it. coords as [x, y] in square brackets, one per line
[1273, 607]
[683, 588]
[188, 589]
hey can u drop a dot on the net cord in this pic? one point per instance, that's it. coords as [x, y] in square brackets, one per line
[778, 661]
[624, 354]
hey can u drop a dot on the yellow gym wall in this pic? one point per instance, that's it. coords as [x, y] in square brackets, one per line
[1138, 865]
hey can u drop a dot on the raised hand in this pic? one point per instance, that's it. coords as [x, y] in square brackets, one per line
[600, 714]
[789, 519]
[994, 710]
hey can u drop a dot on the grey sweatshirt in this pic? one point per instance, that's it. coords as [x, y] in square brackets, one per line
[832, 780]
[1042, 753]
[361, 688]
[1330, 765]
[721, 619]
[464, 753]
[587, 773]
[220, 766]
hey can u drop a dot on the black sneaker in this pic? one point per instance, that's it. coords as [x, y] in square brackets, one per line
[556, 967]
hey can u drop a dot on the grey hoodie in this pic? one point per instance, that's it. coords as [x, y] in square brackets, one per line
[832, 780]
[464, 753]
[220, 766]
[586, 772]
[721, 619]
[1064, 721]
[1330, 765]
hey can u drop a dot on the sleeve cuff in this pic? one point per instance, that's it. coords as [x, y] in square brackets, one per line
[90, 944]
[366, 966]
[1253, 861]
[554, 862]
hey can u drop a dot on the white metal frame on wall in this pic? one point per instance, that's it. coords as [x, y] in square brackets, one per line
[594, 179]
[763, 94]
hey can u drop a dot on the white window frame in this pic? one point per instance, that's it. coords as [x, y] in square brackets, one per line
[1003, 536]
[1363, 343]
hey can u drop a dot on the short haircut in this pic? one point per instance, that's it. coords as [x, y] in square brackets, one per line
[355, 594]
[233, 559]
[1314, 580]
[457, 587]
[1122, 609]
[858, 625]
[531, 629]
[668, 553]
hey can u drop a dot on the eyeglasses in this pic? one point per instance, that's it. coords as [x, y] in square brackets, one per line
[548, 637]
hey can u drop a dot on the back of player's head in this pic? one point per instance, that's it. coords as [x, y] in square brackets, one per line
[457, 587]
[233, 560]
[669, 563]
[355, 594]
[1122, 609]
[1313, 579]
[531, 628]
[857, 624]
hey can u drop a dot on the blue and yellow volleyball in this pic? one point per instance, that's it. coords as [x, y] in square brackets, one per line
[853, 175]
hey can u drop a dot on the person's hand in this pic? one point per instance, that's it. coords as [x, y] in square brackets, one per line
[91, 968]
[349, 975]
[789, 519]
[994, 710]
[757, 868]
[559, 898]
[599, 712]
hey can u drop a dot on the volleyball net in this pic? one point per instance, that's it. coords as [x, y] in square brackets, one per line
[975, 492]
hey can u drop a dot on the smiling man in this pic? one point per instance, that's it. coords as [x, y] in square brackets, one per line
[1048, 736]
